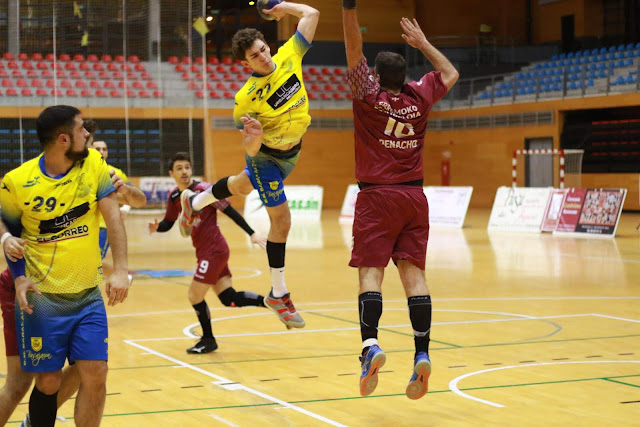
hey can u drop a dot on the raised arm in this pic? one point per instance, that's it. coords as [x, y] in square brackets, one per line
[352, 35]
[414, 36]
[127, 194]
[308, 16]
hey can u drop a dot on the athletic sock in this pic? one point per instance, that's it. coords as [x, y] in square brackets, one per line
[230, 298]
[203, 199]
[420, 314]
[276, 254]
[370, 310]
[43, 408]
[204, 317]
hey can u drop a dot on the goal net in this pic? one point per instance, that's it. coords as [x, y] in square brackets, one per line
[567, 166]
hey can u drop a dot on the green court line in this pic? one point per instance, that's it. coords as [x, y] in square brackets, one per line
[297, 402]
[386, 351]
[620, 382]
[382, 329]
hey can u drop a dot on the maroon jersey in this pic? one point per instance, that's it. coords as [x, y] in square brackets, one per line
[206, 235]
[390, 129]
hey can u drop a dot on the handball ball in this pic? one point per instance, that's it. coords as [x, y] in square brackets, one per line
[267, 4]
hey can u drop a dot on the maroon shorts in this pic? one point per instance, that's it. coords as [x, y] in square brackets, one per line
[8, 305]
[212, 264]
[391, 221]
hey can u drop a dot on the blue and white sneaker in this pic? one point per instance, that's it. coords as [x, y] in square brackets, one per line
[419, 382]
[371, 362]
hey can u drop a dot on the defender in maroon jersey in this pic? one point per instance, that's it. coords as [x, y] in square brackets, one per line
[392, 215]
[212, 251]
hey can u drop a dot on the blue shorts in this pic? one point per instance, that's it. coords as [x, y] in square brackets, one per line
[62, 326]
[267, 171]
[103, 241]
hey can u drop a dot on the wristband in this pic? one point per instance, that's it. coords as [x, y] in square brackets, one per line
[4, 237]
[125, 208]
[348, 4]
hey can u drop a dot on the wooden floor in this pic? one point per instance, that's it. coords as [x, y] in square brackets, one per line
[528, 330]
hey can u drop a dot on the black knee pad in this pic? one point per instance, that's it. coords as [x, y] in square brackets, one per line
[228, 297]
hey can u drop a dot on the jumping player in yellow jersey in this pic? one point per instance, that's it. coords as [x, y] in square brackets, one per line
[52, 203]
[272, 113]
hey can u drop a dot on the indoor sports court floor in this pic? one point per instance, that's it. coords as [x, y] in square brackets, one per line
[528, 330]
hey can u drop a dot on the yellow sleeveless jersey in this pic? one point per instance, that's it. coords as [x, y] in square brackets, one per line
[124, 177]
[59, 219]
[279, 100]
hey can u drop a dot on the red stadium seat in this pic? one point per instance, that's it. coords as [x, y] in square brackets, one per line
[214, 95]
[145, 76]
[8, 56]
[64, 57]
[112, 67]
[342, 88]
[108, 84]
[49, 57]
[315, 87]
[23, 57]
[338, 96]
[13, 65]
[199, 94]
[158, 94]
[234, 69]
[140, 68]
[312, 96]
[84, 66]
[313, 70]
[199, 60]
[56, 92]
[94, 84]
[66, 83]
[325, 97]
[180, 68]
[214, 76]
[326, 71]
[221, 86]
[119, 58]
[134, 59]
[26, 92]
[132, 94]
[78, 58]
[57, 66]
[89, 75]
[349, 96]
[22, 83]
[103, 75]
[152, 85]
[241, 77]
[338, 72]
[41, 92]
[137, 85]
[122, 84]
[227, 61]
[70, 66]
[186, 60]
[328, 88]
[227, 77]
[36, 83]
[221, 69]
[80, 84]
[50, 83]
[125, 67]
[16, 73]
[143, 94]
[247, 70]
[42, 66]
[11, 92]
[7, 83]
[26, 65]
[46, 74]
[115, 94]
[132, 76]
[192, 86]
[213, 60]
[61, 74]
[195, 69]
[173, 60]
[93, 58]
[107, 58]
[235, 86]
[101, 93]
[71, 92]
[75, 75]
[185, 77]
[86, 93]
[117, 75]
[228, 95]
[98, 67]
[3, 74]
[32, 74]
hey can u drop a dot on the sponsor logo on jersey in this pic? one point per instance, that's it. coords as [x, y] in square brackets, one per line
[4, 187]
[62, 184]
[285, 92]
[62, 222]
[36, 358]
[274, 185]
[32, 182]
[36, 343]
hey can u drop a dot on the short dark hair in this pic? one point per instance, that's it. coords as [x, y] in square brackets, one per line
[181, 155]
[55, 120]
[243, 40]
[392, 69]
[91, 126]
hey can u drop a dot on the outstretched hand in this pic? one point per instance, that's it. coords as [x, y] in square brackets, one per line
[252, 127]
[153, 226]
[413, 34]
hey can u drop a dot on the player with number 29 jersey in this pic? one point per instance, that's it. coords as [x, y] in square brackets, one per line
[59, 218]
